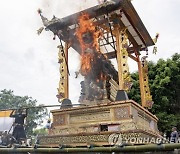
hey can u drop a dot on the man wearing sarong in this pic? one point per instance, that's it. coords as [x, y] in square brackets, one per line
[18, 131]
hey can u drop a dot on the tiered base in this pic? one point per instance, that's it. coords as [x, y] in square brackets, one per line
[104, 124]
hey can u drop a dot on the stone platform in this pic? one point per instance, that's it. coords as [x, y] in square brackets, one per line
[79, 126]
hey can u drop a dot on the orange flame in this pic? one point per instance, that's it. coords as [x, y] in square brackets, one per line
[87, 27]
[86, 61]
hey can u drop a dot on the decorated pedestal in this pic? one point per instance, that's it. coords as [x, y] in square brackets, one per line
[97, 124]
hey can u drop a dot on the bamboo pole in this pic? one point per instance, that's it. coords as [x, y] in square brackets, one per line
[43, 106]
[137, 148]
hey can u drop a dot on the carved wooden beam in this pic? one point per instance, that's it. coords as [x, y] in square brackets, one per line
[111, 55]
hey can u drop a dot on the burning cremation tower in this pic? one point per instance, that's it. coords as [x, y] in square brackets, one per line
[103, 32]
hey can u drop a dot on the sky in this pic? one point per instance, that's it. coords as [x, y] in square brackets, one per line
[29, 63]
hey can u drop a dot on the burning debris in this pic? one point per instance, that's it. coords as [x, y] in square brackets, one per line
[39, 31]
[88, 37]
[95, 67]
[87, 33]
[93, 62]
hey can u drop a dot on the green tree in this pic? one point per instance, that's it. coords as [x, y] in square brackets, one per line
[35, 115]
[164, 82]
[40, 131]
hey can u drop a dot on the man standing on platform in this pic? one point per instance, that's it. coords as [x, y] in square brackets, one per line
[18, 131]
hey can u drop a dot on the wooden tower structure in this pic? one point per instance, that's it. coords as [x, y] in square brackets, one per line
[101, 33]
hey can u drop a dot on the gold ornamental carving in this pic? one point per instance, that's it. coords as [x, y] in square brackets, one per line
[59, 120]
[74, 139]
[122, 113]
[124, 58]
[148, 97]
[63, 83]
[104, 116]
[128, 126]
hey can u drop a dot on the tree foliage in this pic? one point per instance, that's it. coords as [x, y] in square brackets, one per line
[40, 131]
[164, 82]
[35, 115]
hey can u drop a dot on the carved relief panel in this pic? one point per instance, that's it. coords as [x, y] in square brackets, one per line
[59, 120]
[122, 113]
[84, 118]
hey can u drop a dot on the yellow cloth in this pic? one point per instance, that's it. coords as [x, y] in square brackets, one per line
[5, 113]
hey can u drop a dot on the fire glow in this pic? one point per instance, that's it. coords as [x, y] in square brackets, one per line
[88, 37]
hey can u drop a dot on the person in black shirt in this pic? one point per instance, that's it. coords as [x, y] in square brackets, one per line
[18, 131]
